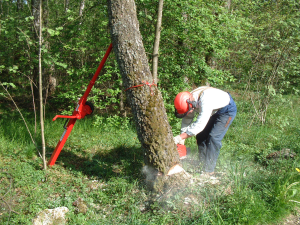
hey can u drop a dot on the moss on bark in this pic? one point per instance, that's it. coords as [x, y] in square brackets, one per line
[154, 131]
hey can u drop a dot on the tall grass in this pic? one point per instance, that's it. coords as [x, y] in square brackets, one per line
[102, 165]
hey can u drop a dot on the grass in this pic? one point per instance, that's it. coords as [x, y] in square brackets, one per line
[102, 165]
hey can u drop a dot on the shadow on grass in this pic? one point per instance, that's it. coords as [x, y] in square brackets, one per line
[119, 162]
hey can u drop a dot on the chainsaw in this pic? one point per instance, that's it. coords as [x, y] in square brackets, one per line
[183, 151]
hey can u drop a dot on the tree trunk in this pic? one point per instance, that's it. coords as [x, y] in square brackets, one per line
[41, 88]
[66, 5]
[35, 6]
[19, 5]
[81, 8]
[154, 131]
[228, 4]
[156, 42]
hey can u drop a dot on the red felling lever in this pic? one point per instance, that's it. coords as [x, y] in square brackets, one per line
[79, 113]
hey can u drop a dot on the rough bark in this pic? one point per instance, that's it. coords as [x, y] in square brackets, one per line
[154, 131]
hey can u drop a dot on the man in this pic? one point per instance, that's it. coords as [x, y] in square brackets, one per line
[216, 110]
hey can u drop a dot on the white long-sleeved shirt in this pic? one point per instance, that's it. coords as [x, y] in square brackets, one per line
[210, 101]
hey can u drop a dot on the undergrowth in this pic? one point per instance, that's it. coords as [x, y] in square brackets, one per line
[102, 165]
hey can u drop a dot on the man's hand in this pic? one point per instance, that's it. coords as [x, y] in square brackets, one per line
[178, 140]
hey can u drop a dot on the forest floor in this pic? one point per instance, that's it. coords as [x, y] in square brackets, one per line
[102, 166]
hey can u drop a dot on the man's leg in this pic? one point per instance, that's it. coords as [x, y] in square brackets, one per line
[201, 140]
[209, 149]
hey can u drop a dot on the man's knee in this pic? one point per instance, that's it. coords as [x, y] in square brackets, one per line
[214, 142]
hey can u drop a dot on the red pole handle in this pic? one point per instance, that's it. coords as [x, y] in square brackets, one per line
[78, 113]
[92, 82]
[61, 116]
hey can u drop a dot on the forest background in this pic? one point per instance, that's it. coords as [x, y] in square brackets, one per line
[249, 48]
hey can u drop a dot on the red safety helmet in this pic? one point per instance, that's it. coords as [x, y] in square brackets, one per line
[182, 104]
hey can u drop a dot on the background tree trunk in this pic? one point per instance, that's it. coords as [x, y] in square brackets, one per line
[81, 8]
[41, 87]
[157, 39]
[228, 4]
[66, 5]
[36, 25]
[154, 131]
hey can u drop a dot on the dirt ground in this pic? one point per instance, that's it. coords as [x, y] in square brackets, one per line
[291, 219]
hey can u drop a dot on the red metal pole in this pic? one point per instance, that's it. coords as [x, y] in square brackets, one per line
[62, 142]
[78, 113]
[92, 82]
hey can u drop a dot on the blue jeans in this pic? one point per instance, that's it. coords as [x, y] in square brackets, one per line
[210, 139]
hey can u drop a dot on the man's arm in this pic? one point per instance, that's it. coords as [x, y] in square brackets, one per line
[184, 136]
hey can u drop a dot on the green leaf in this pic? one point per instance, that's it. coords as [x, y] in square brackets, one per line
[13, 69]
[9, 84]
[29, 18]
[64, 65]
[51, 32]
[2, 67]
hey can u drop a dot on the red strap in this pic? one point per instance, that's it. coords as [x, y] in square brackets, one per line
[144, 83]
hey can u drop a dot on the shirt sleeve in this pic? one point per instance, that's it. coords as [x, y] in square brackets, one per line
[205, 109]
[201, 121]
